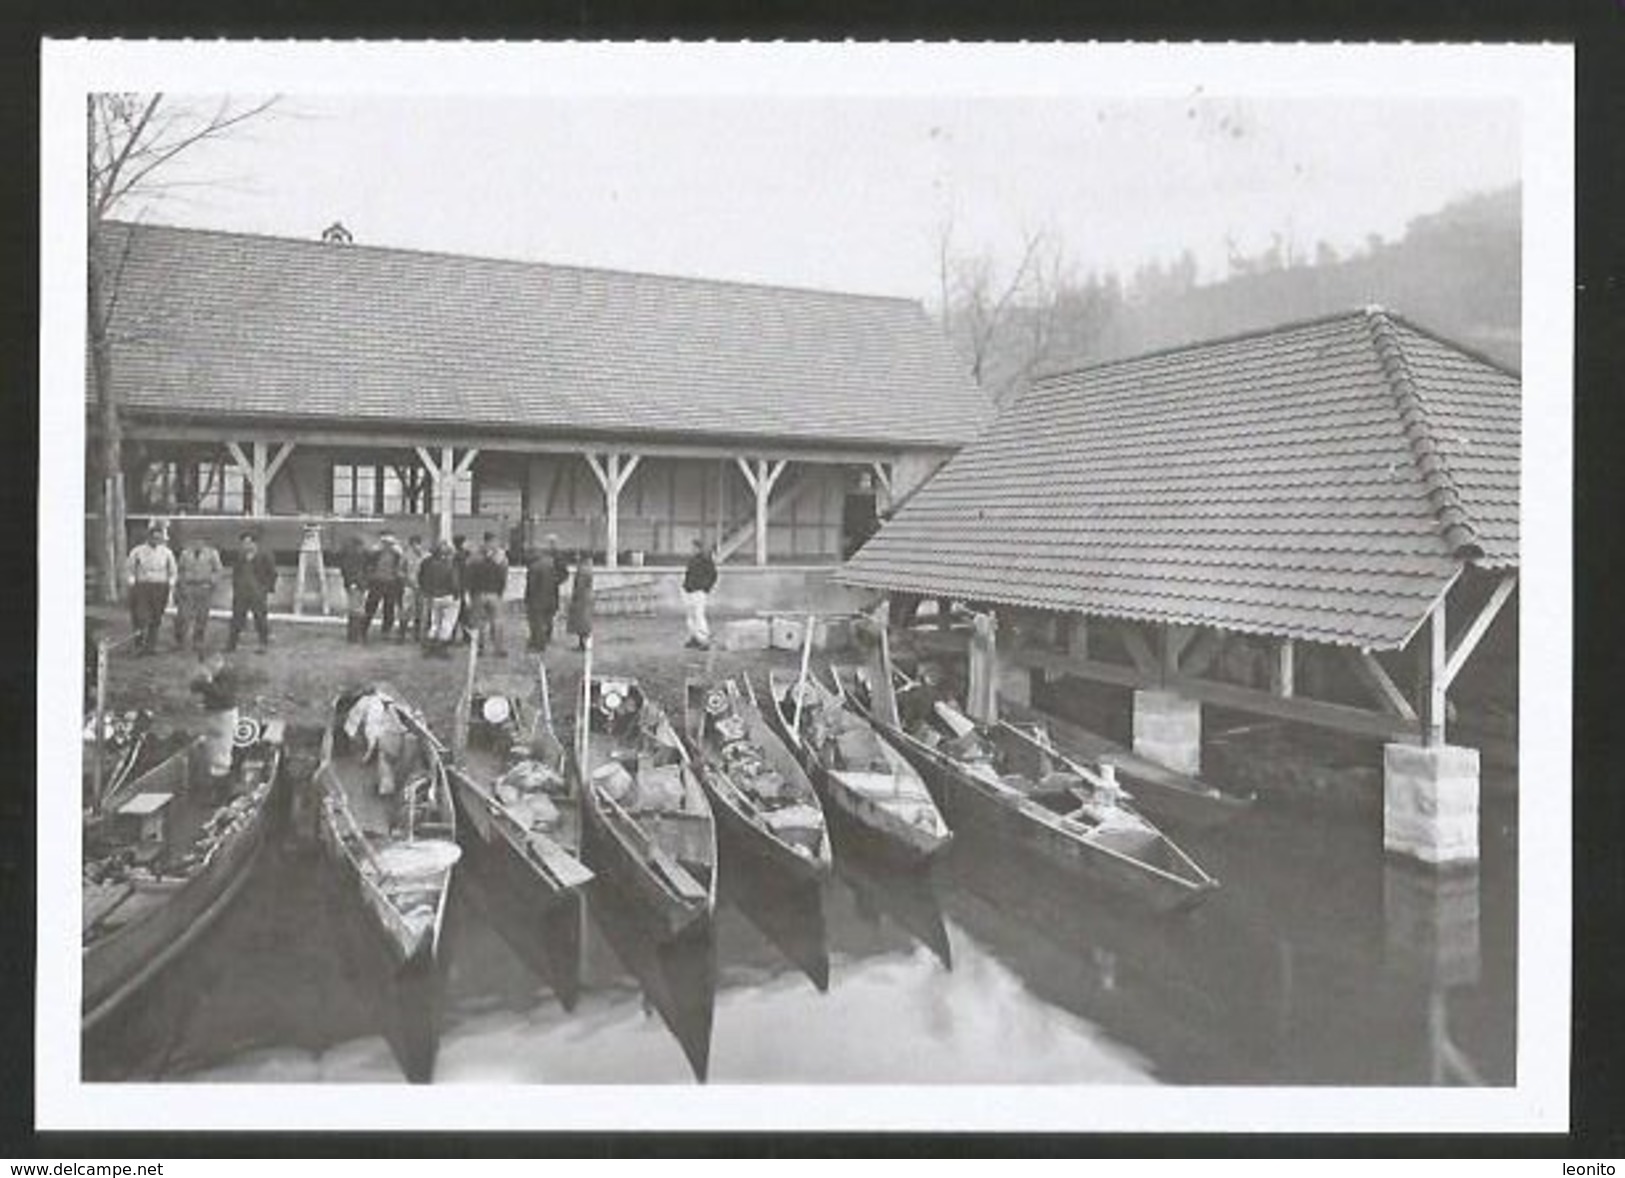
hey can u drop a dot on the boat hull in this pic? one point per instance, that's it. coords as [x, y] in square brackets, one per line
[875, 824]
[740, 830]
[118, 965]
[971, 807]
[614, 851]
[502, 848]
[1159, 793]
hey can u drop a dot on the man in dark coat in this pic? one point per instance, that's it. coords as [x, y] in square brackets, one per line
[580, 620]
[543, 579]
[252, 579]
[437, 582]
[699, 578]
[353, 571]
[486, 580]
[386, 575]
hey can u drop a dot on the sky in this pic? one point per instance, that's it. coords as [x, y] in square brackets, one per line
[849, 193]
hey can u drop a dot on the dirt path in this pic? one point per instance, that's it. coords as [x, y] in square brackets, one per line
[309, 663]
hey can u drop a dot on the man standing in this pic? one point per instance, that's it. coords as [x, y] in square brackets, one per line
[199, 572]
[543, 580]
[411, 600]
[459, 561]
[487, 582]
[385, 577]
[437, 585]
[150, 570]
[252, 579]
[353, 572]
[699, 578]
[216, 684]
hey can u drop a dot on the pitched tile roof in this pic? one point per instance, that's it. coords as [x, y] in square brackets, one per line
[1321, 481]
[225, 324]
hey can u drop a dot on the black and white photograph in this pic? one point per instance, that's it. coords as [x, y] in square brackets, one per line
[794, 586]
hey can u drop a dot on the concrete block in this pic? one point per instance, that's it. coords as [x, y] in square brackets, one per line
[746, 634]
[1430, 802]
[1168, 729]
[832, 634]
[787, 633]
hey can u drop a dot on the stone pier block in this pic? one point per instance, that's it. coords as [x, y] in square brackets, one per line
[1168, 729]
[747, 634]
[1430, 802]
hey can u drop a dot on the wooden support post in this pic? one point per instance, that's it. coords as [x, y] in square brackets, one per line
[1174, 641]
[762, 478]
[1430, 690]
[1461, 650]
[444, 475]
[1282, 671]
[1077, 636]
[883, 482]
[245, 466]
[612, 475]
[1372, 673]
[1202, 652]
[1139, 650]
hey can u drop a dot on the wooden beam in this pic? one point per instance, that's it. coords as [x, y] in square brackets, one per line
[1376, 677]
[1077, 636]
[429, 464]
[598, 470]
[404, 439]
[240, 460]
[1461, 650]
[1138, 649]
[1430, 687]
[883, 477]
[445, 488]
[1282, 670]
[612, 511]
[1202, 652]
[466, 463]
[1340, 717]
[275, 466]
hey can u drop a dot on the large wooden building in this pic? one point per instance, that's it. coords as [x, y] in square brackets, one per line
[301, 381]
[1317, 522]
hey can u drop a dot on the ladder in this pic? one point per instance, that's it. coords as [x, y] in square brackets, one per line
[311, 567]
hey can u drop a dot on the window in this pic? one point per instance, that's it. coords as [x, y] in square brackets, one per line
[188, 487]
[374, 489]
[355, 489]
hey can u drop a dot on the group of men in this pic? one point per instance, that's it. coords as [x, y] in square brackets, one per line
[437, 596]
[155, 575]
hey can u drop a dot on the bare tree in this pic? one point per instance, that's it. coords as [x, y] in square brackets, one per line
[131, 139]
[1007, 328]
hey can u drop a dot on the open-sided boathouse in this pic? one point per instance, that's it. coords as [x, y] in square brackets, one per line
[1317, 523]
[296, 381]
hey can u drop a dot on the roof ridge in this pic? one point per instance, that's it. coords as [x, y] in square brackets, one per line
[519, 262]
[1235, 337]
[1455, 524]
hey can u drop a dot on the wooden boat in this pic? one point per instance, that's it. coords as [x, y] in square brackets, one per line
[757, 788]
[1003, 781]
[394, 851]
[649, 821]
[165, 853]
[1162, 793]
[862, 776]
[518, 805]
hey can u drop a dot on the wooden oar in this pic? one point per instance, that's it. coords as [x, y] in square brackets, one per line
[801, 679]
[459, 731]
[583, 716]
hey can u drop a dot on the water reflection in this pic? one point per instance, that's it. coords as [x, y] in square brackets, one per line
[678, 975]
[789, 915]
[1320, 961]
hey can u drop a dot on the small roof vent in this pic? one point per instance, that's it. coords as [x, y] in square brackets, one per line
[337, 234]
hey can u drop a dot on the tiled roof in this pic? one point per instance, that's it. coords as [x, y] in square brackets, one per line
[1321, 481]
[225, 324]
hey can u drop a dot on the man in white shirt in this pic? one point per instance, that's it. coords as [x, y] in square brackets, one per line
[151, 573]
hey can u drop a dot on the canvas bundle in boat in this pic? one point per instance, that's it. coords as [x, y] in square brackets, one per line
[413, 860]
[859, 749]
[659, 788]
[613, 779]
[798, 824]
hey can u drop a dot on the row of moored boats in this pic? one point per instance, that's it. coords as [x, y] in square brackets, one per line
[632, 795]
